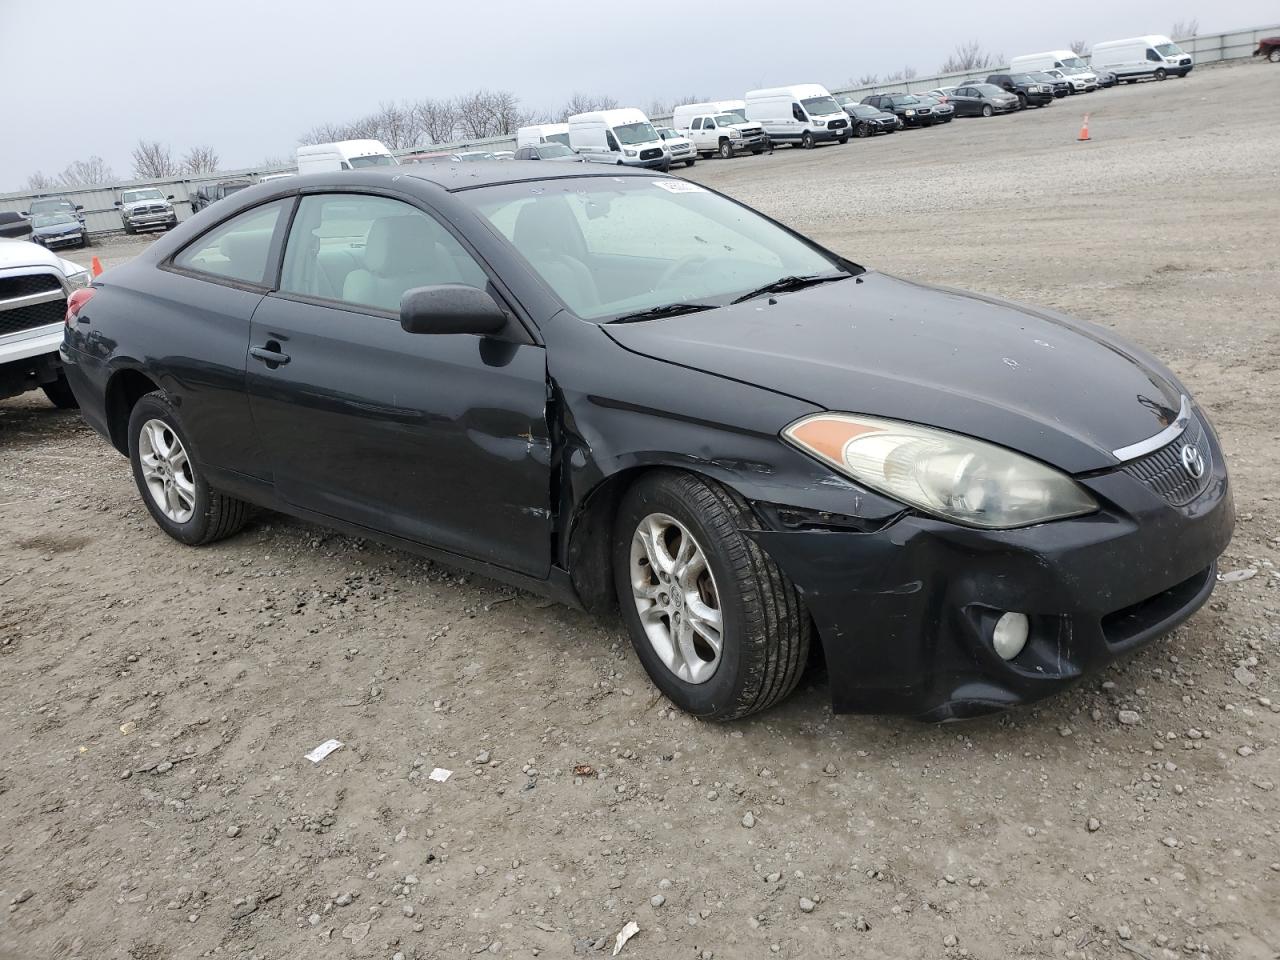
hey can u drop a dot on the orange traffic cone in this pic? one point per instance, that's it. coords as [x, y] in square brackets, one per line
[1084, 130]
[96, 266]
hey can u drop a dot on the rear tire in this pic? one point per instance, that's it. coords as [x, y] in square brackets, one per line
[59, 393]
[204, 514]
[1274, 55]
[763, 629]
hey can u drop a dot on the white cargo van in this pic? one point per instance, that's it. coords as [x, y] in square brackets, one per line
[804, 114]
[343, 155]
[1131, 60]
[537, 134]
[719, 126]
[1072, 67]
[622, 136]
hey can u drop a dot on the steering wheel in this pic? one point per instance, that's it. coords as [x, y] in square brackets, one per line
[682, 265]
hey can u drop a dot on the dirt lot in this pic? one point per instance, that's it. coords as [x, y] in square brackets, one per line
[156, 701]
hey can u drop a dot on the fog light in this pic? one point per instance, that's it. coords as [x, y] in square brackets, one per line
[1010, 634]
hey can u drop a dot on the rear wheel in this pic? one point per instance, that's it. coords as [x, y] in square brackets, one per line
[806, 141]
[59, 393]
[726, 150]
[1274, 55]
[175, 492]
[718, 627]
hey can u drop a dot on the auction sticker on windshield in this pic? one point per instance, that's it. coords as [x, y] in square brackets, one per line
[679, 186]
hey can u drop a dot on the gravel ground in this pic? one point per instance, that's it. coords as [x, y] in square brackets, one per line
[156, 701]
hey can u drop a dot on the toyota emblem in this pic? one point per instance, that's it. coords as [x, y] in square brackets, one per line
[1192, 462]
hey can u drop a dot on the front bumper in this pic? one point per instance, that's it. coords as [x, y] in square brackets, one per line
[145, 221]
[905, 612]
[62, 240]
[1039, 99]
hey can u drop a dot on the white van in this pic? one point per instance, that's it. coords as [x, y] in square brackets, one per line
[622, 136]
[537, 134]
[343, 155]
[1130, 60]
[1072, 67]
[719, 126]
[804, 114]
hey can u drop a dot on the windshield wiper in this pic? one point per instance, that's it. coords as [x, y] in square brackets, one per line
[666, 310]
[787, 284]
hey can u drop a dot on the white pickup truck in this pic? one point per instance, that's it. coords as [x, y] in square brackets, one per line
[34, 286]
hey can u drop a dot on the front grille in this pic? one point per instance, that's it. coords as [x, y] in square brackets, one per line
[1163, 472]
[1186, 61]
[838, 124]
[32, 316]
[23, 286]
[653, 153]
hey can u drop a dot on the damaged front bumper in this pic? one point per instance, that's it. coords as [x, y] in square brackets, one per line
[906, 610]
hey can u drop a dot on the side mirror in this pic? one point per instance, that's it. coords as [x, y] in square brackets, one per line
[24, 213]
[117, 203]
[450, 308]
[79, 206]
[170, 197]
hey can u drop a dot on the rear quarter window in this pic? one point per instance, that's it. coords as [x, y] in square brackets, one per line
[238, 249]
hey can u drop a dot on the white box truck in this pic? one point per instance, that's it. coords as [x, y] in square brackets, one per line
[802, 115]
[1073, 68]
[1131, 60]
[622, 136]
[343, 155]
[535, 135]
[719, 126]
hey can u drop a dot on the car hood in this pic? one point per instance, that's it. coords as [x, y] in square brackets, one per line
[1031, 380]
[144, 203]
[22, 253]
[54, 229]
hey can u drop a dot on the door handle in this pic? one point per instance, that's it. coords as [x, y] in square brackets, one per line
[270, 354]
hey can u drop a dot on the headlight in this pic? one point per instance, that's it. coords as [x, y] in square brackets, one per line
[911, 113]
[819, 123]
[80, 280]
[631, 153]
[946, 474]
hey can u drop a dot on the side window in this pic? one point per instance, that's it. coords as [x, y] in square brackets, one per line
[237, 249]
[710, 124]
[697, 123]
[797, 111]
[367, 251]
[1153, 56]
[611, 140]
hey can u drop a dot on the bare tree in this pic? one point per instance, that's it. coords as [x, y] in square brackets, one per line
[266, 163]
[39, 181]
[898, 76]
[152, 160]
[968, 56]
[88, 172]
[866, 80]
[1184, 29]
[585, 103]
[1080, 48]
[658, 108]
[436, 119]
[397, 127]
[488, 113]
[202, 159]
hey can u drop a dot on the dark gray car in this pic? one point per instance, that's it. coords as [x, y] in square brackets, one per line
[983, 100]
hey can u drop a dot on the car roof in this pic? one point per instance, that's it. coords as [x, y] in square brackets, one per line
[486, 173]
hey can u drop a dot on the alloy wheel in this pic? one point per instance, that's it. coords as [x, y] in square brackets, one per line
[167, 470]
[676, 597]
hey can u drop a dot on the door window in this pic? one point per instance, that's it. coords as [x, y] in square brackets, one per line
[798, 113]
[1153, 56]
[611, 140]
[367, 251]
[238, 249]
[697, 123]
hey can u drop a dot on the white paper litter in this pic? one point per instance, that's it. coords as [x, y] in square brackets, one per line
[625, 934]
[1235, 576]
[439, 774]
[322, 751]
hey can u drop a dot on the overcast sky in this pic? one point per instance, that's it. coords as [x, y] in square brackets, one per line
[94, 76]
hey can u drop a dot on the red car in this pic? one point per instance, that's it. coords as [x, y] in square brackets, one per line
[1269, 47]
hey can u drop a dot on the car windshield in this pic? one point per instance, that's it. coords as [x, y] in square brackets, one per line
[820, 106]
[666, 133]
[726, 119]
[376, 160]
[549, 151]
[561, 138]
[611, 246]
[735, 115]
[46, 206]
[632, 133]
[863, 110]
[231, 188]
[1042, 77]
[904, 101]
[133, 196]
[1168, 49]
[476, 155]
[1022, 78]
[52, 219]
[988, 89]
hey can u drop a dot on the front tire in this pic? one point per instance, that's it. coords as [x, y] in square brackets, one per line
[690, 162]
[986, 110]
[59, 393]
[172, 486]
[719, 628]
[862, 130]
[806, 141]
[726, 150]
[1161, 74]
[1022, 101]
